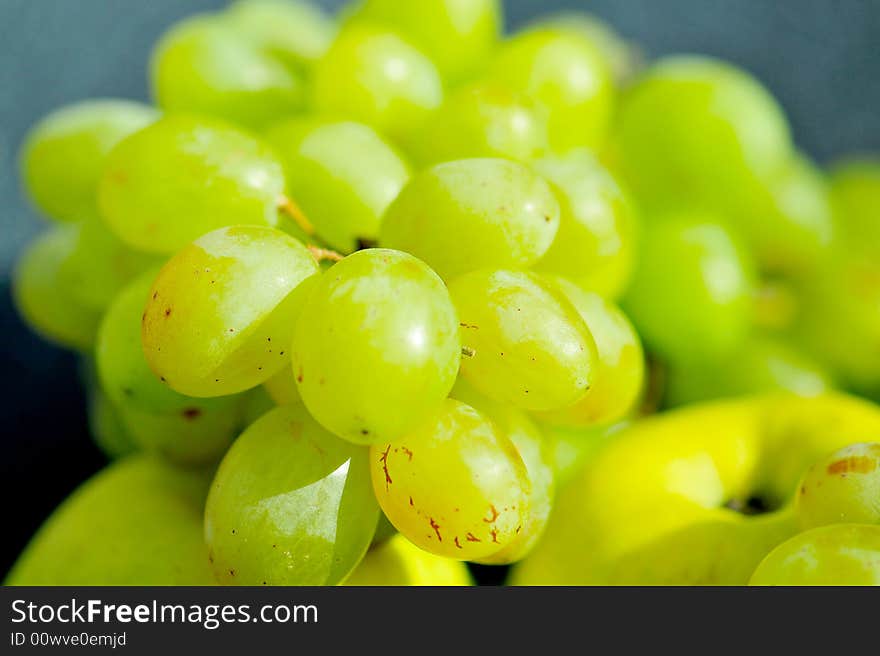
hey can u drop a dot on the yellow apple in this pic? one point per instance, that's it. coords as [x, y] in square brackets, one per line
[695, 496]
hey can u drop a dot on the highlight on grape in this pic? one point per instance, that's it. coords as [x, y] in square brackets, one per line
[392, 297]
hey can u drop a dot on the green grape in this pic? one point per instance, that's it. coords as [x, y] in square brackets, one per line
[372, 75]
[536, 455]
[758, 365]
[690, 297]
[622, 58]
[184, 176]
[100, 265]
[384, 531]
[855, 195]
[620, 367]
[376, 347]
[137, 522]
[481, 120]
[196, 435]
[455, 486]
[796, 233]
[296, 32]
[399, 562]
[458, 35]
[282, 388]
[567, 75]
[254, 404]
[343, 176]
[595, 245]
[841, 554]
[469, 214]
[220, 315]
[63, 155]
[108, 428]
[842, 488]
[697, 130]
[206, 66]
[41, 295]
[525, 342]
[290, 505]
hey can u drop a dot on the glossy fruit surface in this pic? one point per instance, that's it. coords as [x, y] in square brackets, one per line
[842, 554]
[376, 347]
[290, 505]
[842, 488]
[455, 486]
[219, 316]
[474, 213]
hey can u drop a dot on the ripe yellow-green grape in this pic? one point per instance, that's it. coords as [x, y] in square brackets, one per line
[694, 496]
[475, 213]
[696, 131]
[41, 294]
[691, 294]
[63, 155]
[537, 456]
[297, 32]
[398, 562]
[376, 347]
[205, 65]
[838, 555]
[137, 522]
[455, 486]
[458, 35]
[524, 342]
[759, 365]
[291, 504]
[595, 245]
[184, 176]
[373, 75]
[842, 488]
[107, 427]
[483, 119]
[620, 365]
[567, 75]
[622, 58]
[220, 315]
[343, 176]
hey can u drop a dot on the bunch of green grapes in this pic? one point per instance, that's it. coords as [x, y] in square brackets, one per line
[395, 282]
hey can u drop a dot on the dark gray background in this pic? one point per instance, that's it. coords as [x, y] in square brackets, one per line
[820, 57]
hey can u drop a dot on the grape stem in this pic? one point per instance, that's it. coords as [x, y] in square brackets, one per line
[321, 254]
[291, 209]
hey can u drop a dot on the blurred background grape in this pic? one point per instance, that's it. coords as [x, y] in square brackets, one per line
[819, 57]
